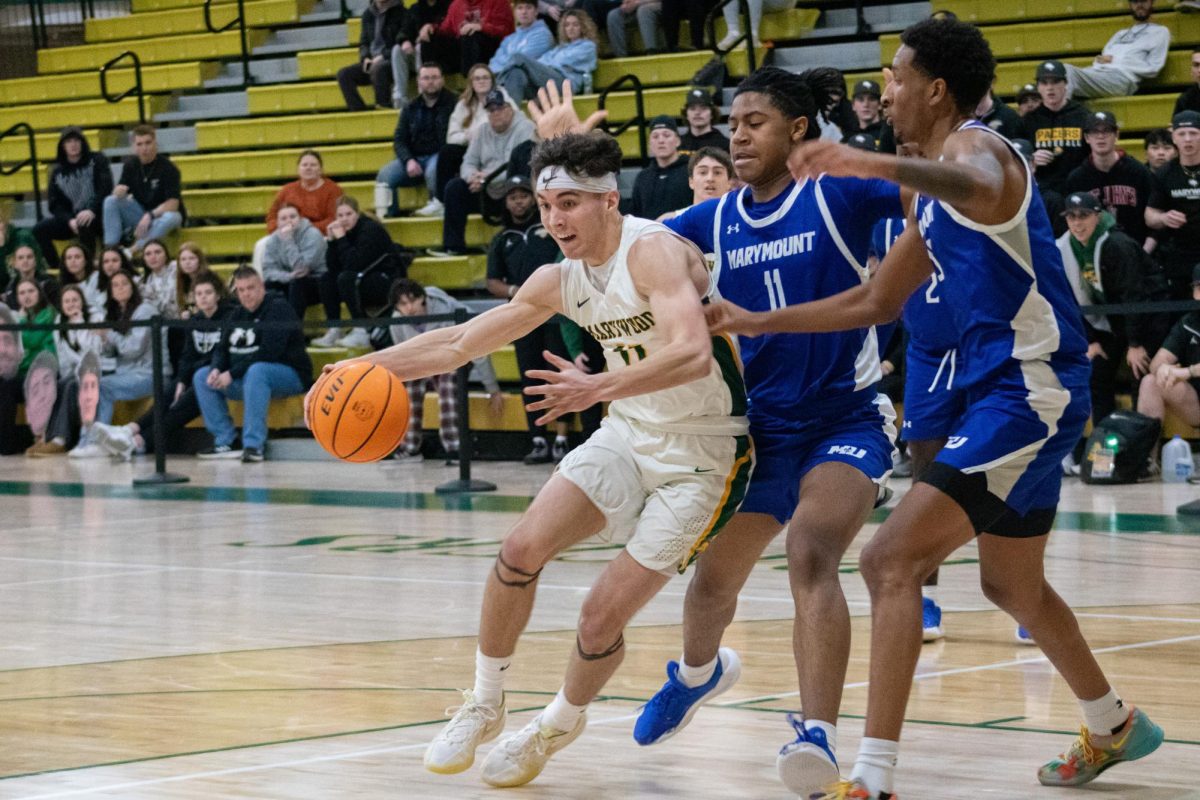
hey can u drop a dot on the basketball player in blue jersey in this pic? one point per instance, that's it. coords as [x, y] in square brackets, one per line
[979, 225]
[823, 436]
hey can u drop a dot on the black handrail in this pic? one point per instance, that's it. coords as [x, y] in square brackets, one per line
[31, 162]
[135, 89]
[240, 21]
[710, 23]
[640, 104]
[37, 24]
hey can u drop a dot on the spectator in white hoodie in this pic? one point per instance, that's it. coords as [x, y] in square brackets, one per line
[1131, 56]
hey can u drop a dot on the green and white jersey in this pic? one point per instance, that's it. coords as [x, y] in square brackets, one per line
[604, 302]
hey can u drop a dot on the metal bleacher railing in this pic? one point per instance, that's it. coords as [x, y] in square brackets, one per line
[240, 22]
[158, 325]
[136, 89]
[31, 162]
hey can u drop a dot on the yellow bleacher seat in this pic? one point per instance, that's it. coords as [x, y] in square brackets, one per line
[1063, 38]
[259, 14]
[415, 232]
[253, 201]
[75, 86]
[143, 6]
[85, 113]
[1138, 113]
[15, 148]
[197, 47]
[300, 131]
[463, 272]
[983, 12]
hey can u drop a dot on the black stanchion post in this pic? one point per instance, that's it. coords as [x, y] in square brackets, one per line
[160, 475]
[466, 445]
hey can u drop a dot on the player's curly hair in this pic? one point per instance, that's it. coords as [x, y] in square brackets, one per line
[957, 53]
[801, 94]
[594, 153]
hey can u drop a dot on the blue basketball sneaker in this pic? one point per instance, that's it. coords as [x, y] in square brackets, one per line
[674, 705]
[807, 766]
[1023, 636]
[931, 620]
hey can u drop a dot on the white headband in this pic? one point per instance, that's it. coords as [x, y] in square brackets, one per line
[560, 178]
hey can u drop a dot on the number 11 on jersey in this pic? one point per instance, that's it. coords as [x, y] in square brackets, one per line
[774, 289]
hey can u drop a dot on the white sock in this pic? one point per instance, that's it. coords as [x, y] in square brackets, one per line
[538, 441]
[829, 729]
[696, 676]
[562, 715]
[489, 679]
[931, 592]
[1106, 715]
[560, 438]
[876, 764]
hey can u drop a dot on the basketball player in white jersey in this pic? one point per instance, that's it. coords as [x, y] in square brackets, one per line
[667, 468]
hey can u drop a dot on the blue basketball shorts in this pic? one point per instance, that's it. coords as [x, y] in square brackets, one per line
[933, 404]
[1003, 463]
[863, 436]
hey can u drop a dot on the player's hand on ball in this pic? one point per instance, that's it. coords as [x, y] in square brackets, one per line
[316, 389]
[564, 391]
[725, 317]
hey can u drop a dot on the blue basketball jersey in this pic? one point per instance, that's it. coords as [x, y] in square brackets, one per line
[808, 243]
[1005, 287]
[927, 319]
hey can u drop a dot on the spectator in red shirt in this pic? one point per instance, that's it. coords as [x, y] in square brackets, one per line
[479, 25]
[313, 195]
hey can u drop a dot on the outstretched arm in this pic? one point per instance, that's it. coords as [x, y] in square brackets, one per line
[880, 300]
[662, 268]
[445, 349]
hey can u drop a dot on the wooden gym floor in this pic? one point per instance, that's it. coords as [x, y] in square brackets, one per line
[295, 630]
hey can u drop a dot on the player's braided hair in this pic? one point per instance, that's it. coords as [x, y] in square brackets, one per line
[797, 94]
[955, 52]
[594, 153]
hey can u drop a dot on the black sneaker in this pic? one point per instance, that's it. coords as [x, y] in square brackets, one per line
[220, 451]
[451, 457]
[252, 455]
[540, 454]
[558, 450]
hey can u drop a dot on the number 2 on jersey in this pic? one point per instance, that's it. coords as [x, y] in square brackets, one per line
[937, 277]
[774, 289]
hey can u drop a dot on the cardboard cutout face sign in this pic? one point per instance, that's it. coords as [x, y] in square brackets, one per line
[88, 375]
[41, 390]
[11, 351]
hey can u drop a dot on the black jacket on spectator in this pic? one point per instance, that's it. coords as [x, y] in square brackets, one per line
[420, 14]
[1060, 132]
[658, 190]
[1183, 341]
[152, 184]
[1124, 190]
[245, 344]
[82, 185]
[362, 246]
[690, 142]
[1127, 274]
[1189, 100]
[1003, 120]
[421, 129]
[1179, 249]
[200, 343]
[517, 251]
[395, 21]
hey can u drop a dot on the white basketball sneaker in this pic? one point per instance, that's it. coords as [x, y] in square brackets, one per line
[520, 757]
[453, 749]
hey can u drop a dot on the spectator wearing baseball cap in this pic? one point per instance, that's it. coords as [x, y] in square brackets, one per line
[1173, 210]
[998, 116]
[700, 110]
[1028, 99]
[488, 151]
[1132, 55]
[662, 185]
[1160, 148]
[867, 108]
[1056, 130]
[1189, 98]
[1104, 265]
[1122, 184]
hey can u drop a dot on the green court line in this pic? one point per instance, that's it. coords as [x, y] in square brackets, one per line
[986, 725]
[1066, 520]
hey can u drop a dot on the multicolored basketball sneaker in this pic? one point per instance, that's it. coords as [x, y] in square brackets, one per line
[808, 763]
[852, 790]
[1084, 761]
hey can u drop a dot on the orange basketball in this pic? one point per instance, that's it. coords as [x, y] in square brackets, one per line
[360, 412]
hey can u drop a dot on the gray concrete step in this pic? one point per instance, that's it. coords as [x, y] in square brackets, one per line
[844, 56]
[218, 105]
[262, 71]
[294, 40]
